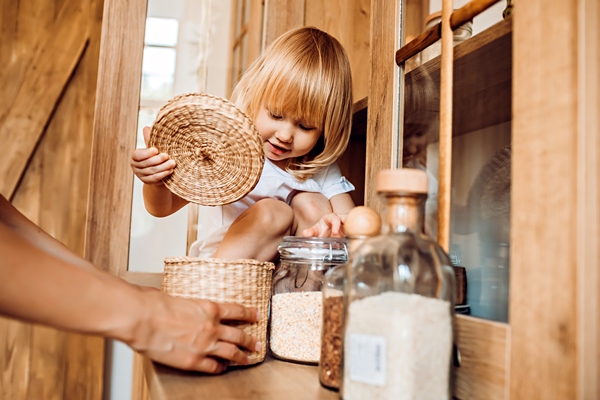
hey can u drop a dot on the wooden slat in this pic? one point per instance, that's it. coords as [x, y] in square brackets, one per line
[15, 362]
[46, 377]
[139, 386]
[446, 106]
[588, 217]
[42, 86]
[382, 130]
[115, 123]
[281, 16]
[589, 200]
[544, 236]
[433, 34]
[483, 354]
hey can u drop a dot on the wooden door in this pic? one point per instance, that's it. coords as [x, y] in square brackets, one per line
[49, 57]
[549, 347]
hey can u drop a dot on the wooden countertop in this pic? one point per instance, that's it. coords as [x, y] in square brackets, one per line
[271, 380]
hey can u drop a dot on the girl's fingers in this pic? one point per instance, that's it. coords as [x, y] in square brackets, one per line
[140, 155]
[146, 132]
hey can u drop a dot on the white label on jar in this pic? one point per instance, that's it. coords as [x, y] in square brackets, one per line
[367, 359]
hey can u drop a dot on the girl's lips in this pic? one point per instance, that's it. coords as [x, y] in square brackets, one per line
[276, 149]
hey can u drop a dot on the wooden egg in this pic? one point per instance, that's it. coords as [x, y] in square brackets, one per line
[362, 221]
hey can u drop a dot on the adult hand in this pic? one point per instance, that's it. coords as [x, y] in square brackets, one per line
[191, 334]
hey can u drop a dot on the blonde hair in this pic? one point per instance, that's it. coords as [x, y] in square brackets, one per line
[305, 73]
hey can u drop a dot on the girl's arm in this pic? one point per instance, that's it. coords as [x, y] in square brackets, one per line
[341, 204]
[42, 281]
[151, 167]
[332, 223]
[160, 201]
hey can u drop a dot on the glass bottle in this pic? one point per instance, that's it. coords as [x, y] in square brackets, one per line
[296, 304]
[400, 300]
[361, 223]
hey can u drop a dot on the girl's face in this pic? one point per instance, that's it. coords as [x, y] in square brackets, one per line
[285, 137]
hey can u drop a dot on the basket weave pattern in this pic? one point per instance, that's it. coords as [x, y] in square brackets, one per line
[217, 149]
[245, 282]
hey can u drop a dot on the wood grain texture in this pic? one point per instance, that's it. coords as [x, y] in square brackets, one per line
[43, 83]
[115, 123]
[45, 363]
[382, 129]
[446, 109]
[544, 235]
[588, 217]
[280, 16]
[15, 358]
[348, 22]
[270, 380]
[483, 353]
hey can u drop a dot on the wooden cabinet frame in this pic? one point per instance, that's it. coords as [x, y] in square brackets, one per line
[550, 348]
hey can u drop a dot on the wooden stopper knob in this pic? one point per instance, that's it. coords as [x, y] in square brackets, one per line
[362, 221]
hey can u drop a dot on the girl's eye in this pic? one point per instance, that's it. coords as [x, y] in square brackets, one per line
[306, 128]
[274, 116]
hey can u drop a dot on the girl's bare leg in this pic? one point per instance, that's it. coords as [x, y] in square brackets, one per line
[308, 208]
[257, 232]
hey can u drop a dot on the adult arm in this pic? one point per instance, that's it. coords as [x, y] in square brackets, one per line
[41, 281]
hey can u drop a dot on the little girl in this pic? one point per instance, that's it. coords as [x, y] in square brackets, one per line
[299, 95]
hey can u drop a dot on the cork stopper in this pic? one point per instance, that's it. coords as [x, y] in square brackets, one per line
[402, 180]
[362, 221]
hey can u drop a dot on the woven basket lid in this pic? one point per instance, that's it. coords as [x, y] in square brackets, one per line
[489, 195]
[218, 151]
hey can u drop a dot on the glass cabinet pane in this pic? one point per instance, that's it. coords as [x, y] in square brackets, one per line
[481, 172]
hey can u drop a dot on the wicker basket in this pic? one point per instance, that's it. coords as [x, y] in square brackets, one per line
[246, 282]
[218, 151]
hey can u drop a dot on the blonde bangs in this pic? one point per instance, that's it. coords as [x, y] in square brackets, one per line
[291, 93]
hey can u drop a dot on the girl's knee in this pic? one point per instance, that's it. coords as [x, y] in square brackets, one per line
[273, 214]
[310, 207]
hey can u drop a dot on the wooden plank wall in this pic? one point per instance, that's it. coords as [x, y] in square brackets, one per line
[39, 362]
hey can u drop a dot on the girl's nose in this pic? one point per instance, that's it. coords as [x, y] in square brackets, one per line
[285, 134]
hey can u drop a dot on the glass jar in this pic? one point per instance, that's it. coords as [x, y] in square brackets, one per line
[296, 304]
[361, 223]
[400, 302]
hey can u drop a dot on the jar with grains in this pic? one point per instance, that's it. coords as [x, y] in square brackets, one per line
[296, 304]
[361, 223]
[400, 302]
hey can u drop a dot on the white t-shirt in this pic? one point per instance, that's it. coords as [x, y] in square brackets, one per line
[274, 183]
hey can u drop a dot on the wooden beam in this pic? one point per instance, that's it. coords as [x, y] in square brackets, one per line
[114, 134]
[545, 241]
[45, 80]
[383, 141]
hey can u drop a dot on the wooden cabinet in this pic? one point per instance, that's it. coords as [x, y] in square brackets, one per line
[549, 347]
[536, 73]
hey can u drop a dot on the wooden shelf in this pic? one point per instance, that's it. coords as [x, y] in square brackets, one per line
[482, 85]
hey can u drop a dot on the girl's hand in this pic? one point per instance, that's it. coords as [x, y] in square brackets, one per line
[330, 225]
[149, 165]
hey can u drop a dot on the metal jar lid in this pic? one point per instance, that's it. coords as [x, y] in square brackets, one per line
[310, 249]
